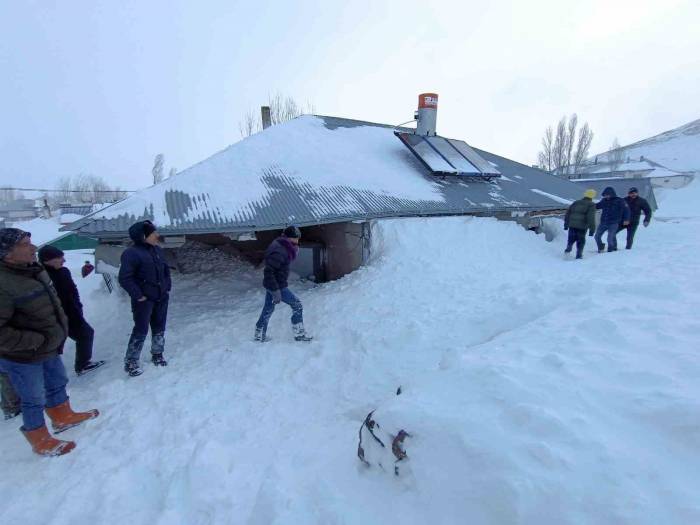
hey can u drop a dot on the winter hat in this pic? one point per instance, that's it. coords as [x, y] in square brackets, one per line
[609, 191]
[140, 230]
[292, 232]
[590, 194]
[9, 237]
[48, 252]
[633, 190]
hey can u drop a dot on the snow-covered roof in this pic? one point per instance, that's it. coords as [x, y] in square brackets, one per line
[316, 170]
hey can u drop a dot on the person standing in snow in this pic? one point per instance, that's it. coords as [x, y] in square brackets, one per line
[86, 269]
[278, 256]
[580, 217]
[615, 213]
[33, 328]
[145, 276]
[78, 328]
[637, 205]
[8, 398]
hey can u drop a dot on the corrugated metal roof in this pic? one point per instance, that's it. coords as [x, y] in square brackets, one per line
[191, 201]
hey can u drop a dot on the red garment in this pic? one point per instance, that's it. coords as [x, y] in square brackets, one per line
[87, 269]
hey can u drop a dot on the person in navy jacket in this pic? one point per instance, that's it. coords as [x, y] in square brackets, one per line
[615, 213]
[145, 276]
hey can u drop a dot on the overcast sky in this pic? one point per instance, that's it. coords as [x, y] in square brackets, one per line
[101, 87]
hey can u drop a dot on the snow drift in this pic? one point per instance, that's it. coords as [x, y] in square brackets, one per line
[535, 389]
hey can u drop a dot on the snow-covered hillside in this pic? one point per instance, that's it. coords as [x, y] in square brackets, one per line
[536, 390]
[678, 149]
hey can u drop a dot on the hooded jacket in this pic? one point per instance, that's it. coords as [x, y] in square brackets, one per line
[32, 323]
[615, 209]
[143, 271]
[278, 256]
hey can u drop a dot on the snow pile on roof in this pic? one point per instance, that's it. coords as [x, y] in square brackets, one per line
[232, 178]
[42, 230]
[535, 390]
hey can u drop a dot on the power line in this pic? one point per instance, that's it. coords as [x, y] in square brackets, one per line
[67, 191]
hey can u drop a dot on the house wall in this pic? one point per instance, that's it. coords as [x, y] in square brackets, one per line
[330, 250]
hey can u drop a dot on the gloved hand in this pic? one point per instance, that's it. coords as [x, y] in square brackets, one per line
[591, 233]
[646, 223]
[566, 228]
[276, 296]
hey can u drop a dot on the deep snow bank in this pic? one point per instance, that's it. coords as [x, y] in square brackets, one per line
[536, 390]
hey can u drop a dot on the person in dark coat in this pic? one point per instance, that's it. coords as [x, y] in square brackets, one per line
[615, 212]
[33, 328]
[278, 256]
[86, 269]
[145, 276]
[637, 205]
[78, 328]
[580, 217]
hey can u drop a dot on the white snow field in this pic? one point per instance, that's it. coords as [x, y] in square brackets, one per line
[536, 390]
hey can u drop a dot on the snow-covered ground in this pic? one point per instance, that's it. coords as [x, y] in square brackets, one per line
[536, 390]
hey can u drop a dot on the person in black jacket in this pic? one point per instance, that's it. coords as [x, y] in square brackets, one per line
[145, 276]
[637, 205]
[278, 256]
[78, 328]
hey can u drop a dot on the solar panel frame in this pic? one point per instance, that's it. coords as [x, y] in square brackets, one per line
[453, 156]
[459, 159]
[473, 157]
[427, 153]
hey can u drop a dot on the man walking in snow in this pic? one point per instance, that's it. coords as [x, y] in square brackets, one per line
[580, 217]
[278, 256]
[145, 276]
[33, 328]
[637, 205]
[78, 328]
[615, 213]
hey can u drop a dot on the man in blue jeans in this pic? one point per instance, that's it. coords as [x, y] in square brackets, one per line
[615, 212]
[278, 257]
[145, 276]
[33, 328]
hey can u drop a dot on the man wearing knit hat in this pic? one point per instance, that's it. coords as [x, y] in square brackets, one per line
[637, 205]
[145, 276]
[580, 217]
[78, 328]
[33, 328]
[278, 256]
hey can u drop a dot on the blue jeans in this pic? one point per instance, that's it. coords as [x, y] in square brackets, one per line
[269, 307]
[38, 385]
[147, 313]
[612, 235]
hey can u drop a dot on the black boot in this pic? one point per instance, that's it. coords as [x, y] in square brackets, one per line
[568, 248]
[13, 412]
[158, 360]
[91, 365]
[132, 368]
[260, 336]
[601, 248]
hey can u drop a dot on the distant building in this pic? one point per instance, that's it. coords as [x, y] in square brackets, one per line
[20, 210]
[661, 176]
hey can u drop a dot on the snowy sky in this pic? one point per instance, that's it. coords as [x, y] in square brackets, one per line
[100, 87]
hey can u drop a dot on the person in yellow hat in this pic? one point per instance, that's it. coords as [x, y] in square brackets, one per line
[580, 217]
